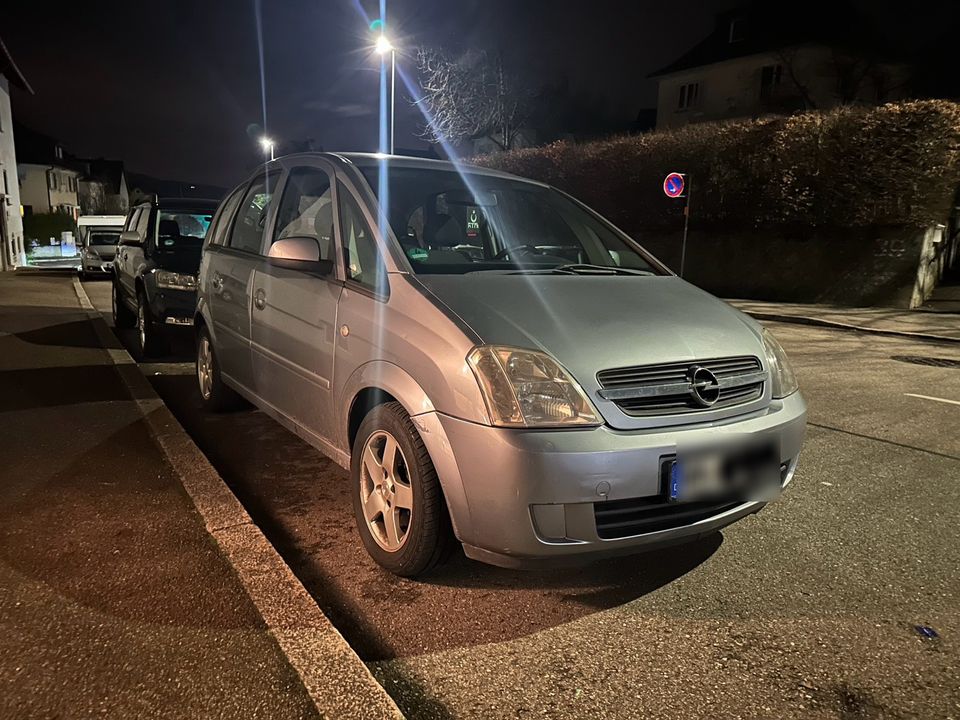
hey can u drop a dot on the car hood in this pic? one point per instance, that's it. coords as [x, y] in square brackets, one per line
[591, 323]
[106, 252]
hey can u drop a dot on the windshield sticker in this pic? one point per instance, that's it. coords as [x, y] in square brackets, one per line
[417, 253]
[473, 222]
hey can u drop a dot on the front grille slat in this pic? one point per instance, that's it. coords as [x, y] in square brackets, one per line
[639, 516]
[644, 376]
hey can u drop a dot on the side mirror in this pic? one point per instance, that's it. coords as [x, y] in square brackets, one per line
[131, 238]
[299, 253]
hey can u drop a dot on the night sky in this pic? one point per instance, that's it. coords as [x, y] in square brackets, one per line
[172, 88]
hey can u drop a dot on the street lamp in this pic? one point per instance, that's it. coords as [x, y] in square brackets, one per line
[382, 47]
[267, 144]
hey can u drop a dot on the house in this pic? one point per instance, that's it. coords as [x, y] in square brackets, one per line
[103, 188]
[11, 225]
[49, 178]
[759, 61]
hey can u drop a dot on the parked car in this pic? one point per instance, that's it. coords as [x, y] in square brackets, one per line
[491, 361]
[155, 268]
[99, 235]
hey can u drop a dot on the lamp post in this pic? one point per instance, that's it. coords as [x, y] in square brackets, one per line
[267, 145]
[383, 47]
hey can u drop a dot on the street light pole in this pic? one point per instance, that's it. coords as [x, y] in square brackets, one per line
[393, 93]
[383, 47]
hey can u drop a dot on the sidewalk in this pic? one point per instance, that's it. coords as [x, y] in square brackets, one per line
[114, 599]
[919, 324]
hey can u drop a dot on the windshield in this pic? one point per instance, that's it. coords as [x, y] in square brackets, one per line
[103, 237]
[182, 231]
[453, 223]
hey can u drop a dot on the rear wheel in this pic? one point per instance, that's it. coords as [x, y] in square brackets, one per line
[398, 502]
[216, 396]
[122, 317]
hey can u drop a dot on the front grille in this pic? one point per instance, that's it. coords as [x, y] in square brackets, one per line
[636, 516]
[677, 398]
[623, 518]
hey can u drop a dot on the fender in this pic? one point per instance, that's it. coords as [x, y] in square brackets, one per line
[203, 311]
[395, 380]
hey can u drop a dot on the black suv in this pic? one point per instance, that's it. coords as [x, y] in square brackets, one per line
[155, 269]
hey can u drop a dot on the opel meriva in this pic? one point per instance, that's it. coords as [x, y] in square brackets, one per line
[491, 360]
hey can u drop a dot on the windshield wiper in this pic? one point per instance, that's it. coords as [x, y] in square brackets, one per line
[585, 269]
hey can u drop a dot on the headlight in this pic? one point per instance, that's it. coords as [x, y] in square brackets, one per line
[525, 388]
[782, 378]
[91, 253]
[175, 281]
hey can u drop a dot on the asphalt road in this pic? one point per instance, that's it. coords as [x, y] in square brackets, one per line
[808, 609]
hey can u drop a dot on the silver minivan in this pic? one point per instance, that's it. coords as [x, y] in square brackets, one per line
[492, 361]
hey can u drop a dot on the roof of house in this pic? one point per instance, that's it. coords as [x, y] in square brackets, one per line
[761, 28]
[9, 68]
[36, 148]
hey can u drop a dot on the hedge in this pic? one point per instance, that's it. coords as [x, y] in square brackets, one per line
[898, 164]
[43, 226]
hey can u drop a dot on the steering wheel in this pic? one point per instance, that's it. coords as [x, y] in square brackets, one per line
[526, 249]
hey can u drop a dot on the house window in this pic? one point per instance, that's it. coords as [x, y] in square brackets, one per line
[689, 96]
[738, 30]
[6, 188]
[770, 77]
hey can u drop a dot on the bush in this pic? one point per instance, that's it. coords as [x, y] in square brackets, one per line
[898, 164]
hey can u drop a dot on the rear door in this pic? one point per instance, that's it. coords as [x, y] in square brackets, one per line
[294, 317]
[121, 267]
[230, 278]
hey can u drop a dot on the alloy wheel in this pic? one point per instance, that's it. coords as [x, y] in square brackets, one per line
[385, 491]
[205, 367]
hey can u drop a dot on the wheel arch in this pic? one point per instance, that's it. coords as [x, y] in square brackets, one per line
[380, 381]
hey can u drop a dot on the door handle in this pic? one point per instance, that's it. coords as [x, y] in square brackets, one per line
[217, 282]
[260, 299]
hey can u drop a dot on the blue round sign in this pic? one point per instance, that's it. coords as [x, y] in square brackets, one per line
[673, 185]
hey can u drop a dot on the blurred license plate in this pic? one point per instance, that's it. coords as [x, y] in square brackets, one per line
[748, 472]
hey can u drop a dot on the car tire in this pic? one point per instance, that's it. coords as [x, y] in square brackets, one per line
[215, 396]
[149, 334]
[122, 317]
[421, 536]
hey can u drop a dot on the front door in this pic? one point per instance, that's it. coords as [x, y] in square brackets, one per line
[294, 316]
[231, 278]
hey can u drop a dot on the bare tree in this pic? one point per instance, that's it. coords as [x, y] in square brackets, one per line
[787, 57]
[472, 96]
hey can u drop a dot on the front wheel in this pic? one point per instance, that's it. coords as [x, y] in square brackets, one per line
[398, 503]
[122, 317]
[149, 334]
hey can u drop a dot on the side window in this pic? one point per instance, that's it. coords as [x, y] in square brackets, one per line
[143, 223]
[363, 261]
[132, 220]
[306, 209]
[247, 232]
[218, 231]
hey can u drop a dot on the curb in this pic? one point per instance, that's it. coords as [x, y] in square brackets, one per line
[832, 324]
[337, 681]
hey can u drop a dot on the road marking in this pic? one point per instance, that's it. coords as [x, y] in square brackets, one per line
[935, 399]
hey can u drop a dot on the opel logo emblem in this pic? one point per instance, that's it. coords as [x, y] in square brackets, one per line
[704, 386]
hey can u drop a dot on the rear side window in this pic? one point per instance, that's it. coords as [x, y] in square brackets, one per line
[306, 209]
[247, 231]
[218, 231]
[364, 264]
[143, 222]
[132, 220]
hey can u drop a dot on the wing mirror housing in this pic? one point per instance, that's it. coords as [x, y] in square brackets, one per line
[299, 253]
[131, 238]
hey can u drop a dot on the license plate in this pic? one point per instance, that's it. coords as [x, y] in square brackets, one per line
[749, 473]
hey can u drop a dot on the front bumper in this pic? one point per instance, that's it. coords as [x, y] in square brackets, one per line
[174, 307]
[528, 497]
[97, 267]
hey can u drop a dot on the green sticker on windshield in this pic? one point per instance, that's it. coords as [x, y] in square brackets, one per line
[417, 253]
